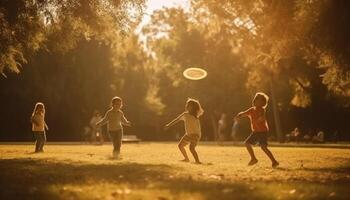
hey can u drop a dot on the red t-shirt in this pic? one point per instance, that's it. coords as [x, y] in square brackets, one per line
[258, 121]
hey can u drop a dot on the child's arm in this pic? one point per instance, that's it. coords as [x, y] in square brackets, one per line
[174, 121]
[124, 120]
[103, 120]
[46, 126]
[242, 114]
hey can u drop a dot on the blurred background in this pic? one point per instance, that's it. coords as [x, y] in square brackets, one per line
[75, 55]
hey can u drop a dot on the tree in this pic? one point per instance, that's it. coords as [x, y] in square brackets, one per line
[27, 26]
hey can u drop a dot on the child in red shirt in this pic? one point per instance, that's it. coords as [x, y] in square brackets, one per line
[259, 127]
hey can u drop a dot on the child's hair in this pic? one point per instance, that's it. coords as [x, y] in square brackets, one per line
[37, 106]
[115, 99]
[197, 110]
[263, 97]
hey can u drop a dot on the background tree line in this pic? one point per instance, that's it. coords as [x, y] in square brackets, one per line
[75, 55]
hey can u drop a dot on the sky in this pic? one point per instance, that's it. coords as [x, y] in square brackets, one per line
[158, 4]
[152, 5]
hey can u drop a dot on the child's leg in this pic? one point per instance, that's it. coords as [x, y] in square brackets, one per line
[43, 141]
[119, 141]
[113, 136]
[253, 159]
[194, 152]
[270, 155]
[248, 143]
[181, 146]
[37, 141]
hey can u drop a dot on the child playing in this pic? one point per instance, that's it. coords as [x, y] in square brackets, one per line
[38, 126]
[259, 127]
[115, 120]
[193, 111]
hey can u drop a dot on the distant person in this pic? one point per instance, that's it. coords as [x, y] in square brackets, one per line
[193, 111]
[87, 134]
[115, 120]
[39, 126]
[222, 127]
[319, 138]
[294, 135]
[259, 127]
[96, 131]
[234, 131]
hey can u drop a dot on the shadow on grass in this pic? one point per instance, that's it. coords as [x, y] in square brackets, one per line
[337, 170]
[20, 176]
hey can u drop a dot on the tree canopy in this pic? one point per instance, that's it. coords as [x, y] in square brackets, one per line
[27, 26]
[77, 54]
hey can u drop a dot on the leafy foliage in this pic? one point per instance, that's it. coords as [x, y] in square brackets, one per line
[27, 26]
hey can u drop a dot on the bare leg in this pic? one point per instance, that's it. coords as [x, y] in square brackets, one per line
[194, 153]
[181, 146]
[253, 159]
[270, 155]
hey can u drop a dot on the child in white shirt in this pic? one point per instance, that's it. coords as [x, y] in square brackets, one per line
[193, 111]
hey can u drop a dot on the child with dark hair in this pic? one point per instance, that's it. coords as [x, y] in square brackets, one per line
[193, 111]
[115, 120]
[259, 127]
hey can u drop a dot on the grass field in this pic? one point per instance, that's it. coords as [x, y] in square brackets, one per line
[152, 171]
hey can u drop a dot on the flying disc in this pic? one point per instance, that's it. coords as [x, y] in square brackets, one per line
[195, 73]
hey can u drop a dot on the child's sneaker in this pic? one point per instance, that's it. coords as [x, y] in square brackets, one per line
[252, 162]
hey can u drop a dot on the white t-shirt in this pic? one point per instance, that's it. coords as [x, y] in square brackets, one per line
[114, 120]
[38, 122]
[192, 124]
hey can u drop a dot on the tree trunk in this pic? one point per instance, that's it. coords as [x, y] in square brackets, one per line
[275, 110]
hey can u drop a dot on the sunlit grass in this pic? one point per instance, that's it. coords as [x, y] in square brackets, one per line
[152, 171]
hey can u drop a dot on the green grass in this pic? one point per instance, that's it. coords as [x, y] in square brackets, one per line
[152, 171]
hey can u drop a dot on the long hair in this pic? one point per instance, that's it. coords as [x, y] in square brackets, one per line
[197, 110]
[263, 97]
[37, 106]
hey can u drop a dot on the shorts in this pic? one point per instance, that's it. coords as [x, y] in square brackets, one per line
[257, 137]
[190, 138]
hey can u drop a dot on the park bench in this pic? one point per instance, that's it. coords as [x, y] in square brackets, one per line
[130, 139]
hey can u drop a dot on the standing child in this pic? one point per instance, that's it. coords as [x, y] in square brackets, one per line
[38, 126]
[259, 127]
[193, 111]
[115, 120]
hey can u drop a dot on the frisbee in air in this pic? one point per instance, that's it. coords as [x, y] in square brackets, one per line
[195, 73]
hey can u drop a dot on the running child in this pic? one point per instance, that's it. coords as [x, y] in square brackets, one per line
[193, 111]
[39, 126]
[115, 120]
[259, 126]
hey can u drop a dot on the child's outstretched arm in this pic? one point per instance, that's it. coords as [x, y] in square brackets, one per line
[242, 114]
[125, 121]
[103, 120]
[46, 126]
[174, 121]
